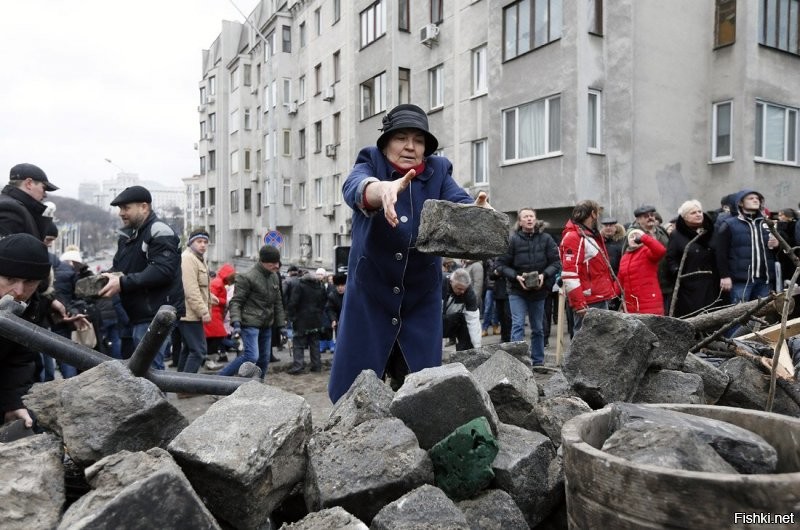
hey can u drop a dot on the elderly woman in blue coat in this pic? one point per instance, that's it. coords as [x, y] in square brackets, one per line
[391, 320]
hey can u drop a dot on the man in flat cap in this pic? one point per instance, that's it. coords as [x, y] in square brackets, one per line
[24, 264]
[21, 202]
[150, 262]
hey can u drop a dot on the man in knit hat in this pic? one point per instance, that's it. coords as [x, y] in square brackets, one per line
[256, 306]
[24, 264]
[194, 272]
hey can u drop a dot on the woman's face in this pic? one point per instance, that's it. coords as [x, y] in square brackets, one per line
[694, 217]
[405, 148]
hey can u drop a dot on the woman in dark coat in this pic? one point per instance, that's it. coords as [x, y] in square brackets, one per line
[391, 321]
[701, 289]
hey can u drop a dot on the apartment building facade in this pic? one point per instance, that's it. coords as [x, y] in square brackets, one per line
[538, 102]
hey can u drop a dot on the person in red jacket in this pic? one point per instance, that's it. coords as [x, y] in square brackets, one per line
[587, 274]
[638, 274]
[215, 329]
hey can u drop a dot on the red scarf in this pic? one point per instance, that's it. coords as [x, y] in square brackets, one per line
[418, 169]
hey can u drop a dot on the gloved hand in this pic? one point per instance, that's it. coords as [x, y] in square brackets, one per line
[237, 330]
[637, 240]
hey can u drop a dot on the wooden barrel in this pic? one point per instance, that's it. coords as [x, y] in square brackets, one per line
[606, 491]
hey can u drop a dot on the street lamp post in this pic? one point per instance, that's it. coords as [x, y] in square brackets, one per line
[115, 165]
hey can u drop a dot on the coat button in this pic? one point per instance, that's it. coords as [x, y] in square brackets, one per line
[395, 321]
[396, 290]
[398, 256]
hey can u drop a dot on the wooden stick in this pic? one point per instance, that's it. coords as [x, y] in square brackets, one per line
[677, 288]
[737, 321]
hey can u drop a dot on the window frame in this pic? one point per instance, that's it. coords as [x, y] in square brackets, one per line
[436, 87]
[724, 10]
[378, 96]
[594, 143]
[792, 25]
[791, 117]
[234, 201]
[480, 85]
[286, 39]
[547, 127]
[404, 15]
[372, 23]
[715, 155]
[480, 152]
[554, 28]
[301, 192]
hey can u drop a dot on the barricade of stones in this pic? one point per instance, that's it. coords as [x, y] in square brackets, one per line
[383, 459]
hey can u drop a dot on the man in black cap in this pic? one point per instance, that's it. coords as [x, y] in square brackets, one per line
[150, 262]
[21, 205]
[257, 306]
[24, 263]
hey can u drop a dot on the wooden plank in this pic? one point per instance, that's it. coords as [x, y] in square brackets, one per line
[770, 335]
[562, 317]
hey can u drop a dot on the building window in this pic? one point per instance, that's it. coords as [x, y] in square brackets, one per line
[248, 123]
[721, 121]
[235, 79]
[286, 39]
[212, 122]
[212, 85]
[317, 79]
[436, 86]
[337, 129]
[301, 88]
[480, 175]
[301, 143]
[258, 202]
[287, 142]
[403, 85]
[248, 199]
[301, 29]
[594, 122]
[373, 96]
[437, 14]
[259, 160]
[234, 124]
[776, 133]
[337, 10]
[212, 197]
[337, 73]
[373, 22]
[234, 201]
[318, 137]
[203, 129]
[247, 160]
[259, 119]
[287, 91]
[247, 75]
[532, 130]
[202, 199]
[287, 191]
[203, 96]
[725, 23]
[301, 192]
[479, 70]
[403, 15]
[318, 247]
[235, 162]
[337, 189]
[274, 91]
[319, 195]
[267, 150]
[528, 24]
[203, 165]
[212, 160]
[596, 17]
[317, 22]
[779, 21]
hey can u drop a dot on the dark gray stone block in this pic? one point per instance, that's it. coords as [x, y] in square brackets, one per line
[367, 399]
[328, 519]
[510, 385]
[475, 357]
[462, 230]
[493, 510]
[425, 508]
[552, 413]
[715, 381]
[675, 338]
[749, 388]
[669, 386]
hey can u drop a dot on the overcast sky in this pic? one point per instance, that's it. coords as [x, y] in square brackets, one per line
[86, 80]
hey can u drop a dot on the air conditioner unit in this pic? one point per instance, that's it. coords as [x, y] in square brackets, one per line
[328, 94]
[254, 89]
[201, 108]
[195, 146]
[328, 211]
[254, 175]
[292, 108]
[330, 150]
[210, 99]
[209, 137]
[238, 253]
[429, 34]
[210, 210]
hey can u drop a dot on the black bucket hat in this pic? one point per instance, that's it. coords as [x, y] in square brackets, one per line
[407, 116]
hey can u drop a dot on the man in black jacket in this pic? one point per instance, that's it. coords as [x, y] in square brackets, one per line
[21, 206]
[306, 305]
[150, 262]
[529, 251]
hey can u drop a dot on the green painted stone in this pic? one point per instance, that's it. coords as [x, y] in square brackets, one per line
[462, 462]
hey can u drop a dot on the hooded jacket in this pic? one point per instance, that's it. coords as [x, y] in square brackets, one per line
[741, 245]
[216, 328]
[586, 274]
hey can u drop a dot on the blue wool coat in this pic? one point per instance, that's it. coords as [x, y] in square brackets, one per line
[393, 292]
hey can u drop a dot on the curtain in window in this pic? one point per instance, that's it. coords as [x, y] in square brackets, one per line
[531, 130]
[775, 126]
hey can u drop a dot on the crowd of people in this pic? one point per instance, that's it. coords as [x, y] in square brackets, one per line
[395, 306]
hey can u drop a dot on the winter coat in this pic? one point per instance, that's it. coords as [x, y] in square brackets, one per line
[257, 301]
[466, 303]
[475, 270]
[393, 291]
[333, 305]
[17, 365]
[528, 252]
[586, 275]
[150, 261]
[21, 214]
[665, 280]
[216, 328]
[638, 274]
[741, 247]
[194, 274]
[696, 291]
[306, 305]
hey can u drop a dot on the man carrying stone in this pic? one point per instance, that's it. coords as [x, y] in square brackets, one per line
[256, 305]
[149, 261]
[587, 275]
